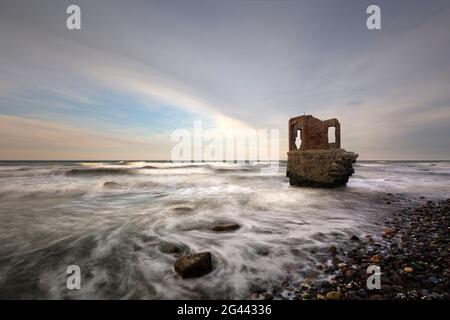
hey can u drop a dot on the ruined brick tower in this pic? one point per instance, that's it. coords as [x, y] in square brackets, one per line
[315, 162]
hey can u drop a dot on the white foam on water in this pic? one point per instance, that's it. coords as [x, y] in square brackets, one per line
[50, 218]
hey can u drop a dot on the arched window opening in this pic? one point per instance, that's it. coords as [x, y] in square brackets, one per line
[298, 139]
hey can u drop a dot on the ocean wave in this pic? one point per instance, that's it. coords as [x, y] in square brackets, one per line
[217, 167]
[41, 194]
[125, 224]
[30, 173]
[99, 171]
[174, 166]
[235, 170]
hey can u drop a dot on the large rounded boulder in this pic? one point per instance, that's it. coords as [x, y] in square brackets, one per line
[193, 266]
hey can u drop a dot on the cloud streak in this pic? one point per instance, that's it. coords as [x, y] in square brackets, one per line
[41, 140]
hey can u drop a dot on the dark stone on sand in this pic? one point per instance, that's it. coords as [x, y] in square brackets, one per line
[362, 293]
[375, 258]
[226, 227]
[333, 295]
[433, 280]
[350, 273]
[268, 296]
[193, 266]
[388, 232]
[111, 185]
[261, 296]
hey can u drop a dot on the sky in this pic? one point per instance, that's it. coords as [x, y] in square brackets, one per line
[138, 70]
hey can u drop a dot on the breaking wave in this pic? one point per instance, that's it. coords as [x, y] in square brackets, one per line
[99, 171]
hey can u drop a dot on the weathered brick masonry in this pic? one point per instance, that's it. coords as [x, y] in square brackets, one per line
[316, 162]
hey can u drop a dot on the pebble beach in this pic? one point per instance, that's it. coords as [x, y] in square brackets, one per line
[412, 253]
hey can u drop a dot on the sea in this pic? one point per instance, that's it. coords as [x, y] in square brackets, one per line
[124, 224]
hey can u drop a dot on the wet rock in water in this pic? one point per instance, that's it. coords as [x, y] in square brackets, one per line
[333, 295]
[111, 185]
[167, 247]
[148, 238]
[182, 209]
[354, 238]
[262, 251]
[226, 227]
[193, 266]
[311, 275]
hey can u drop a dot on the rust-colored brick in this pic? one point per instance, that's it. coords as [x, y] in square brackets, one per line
[317, 162]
